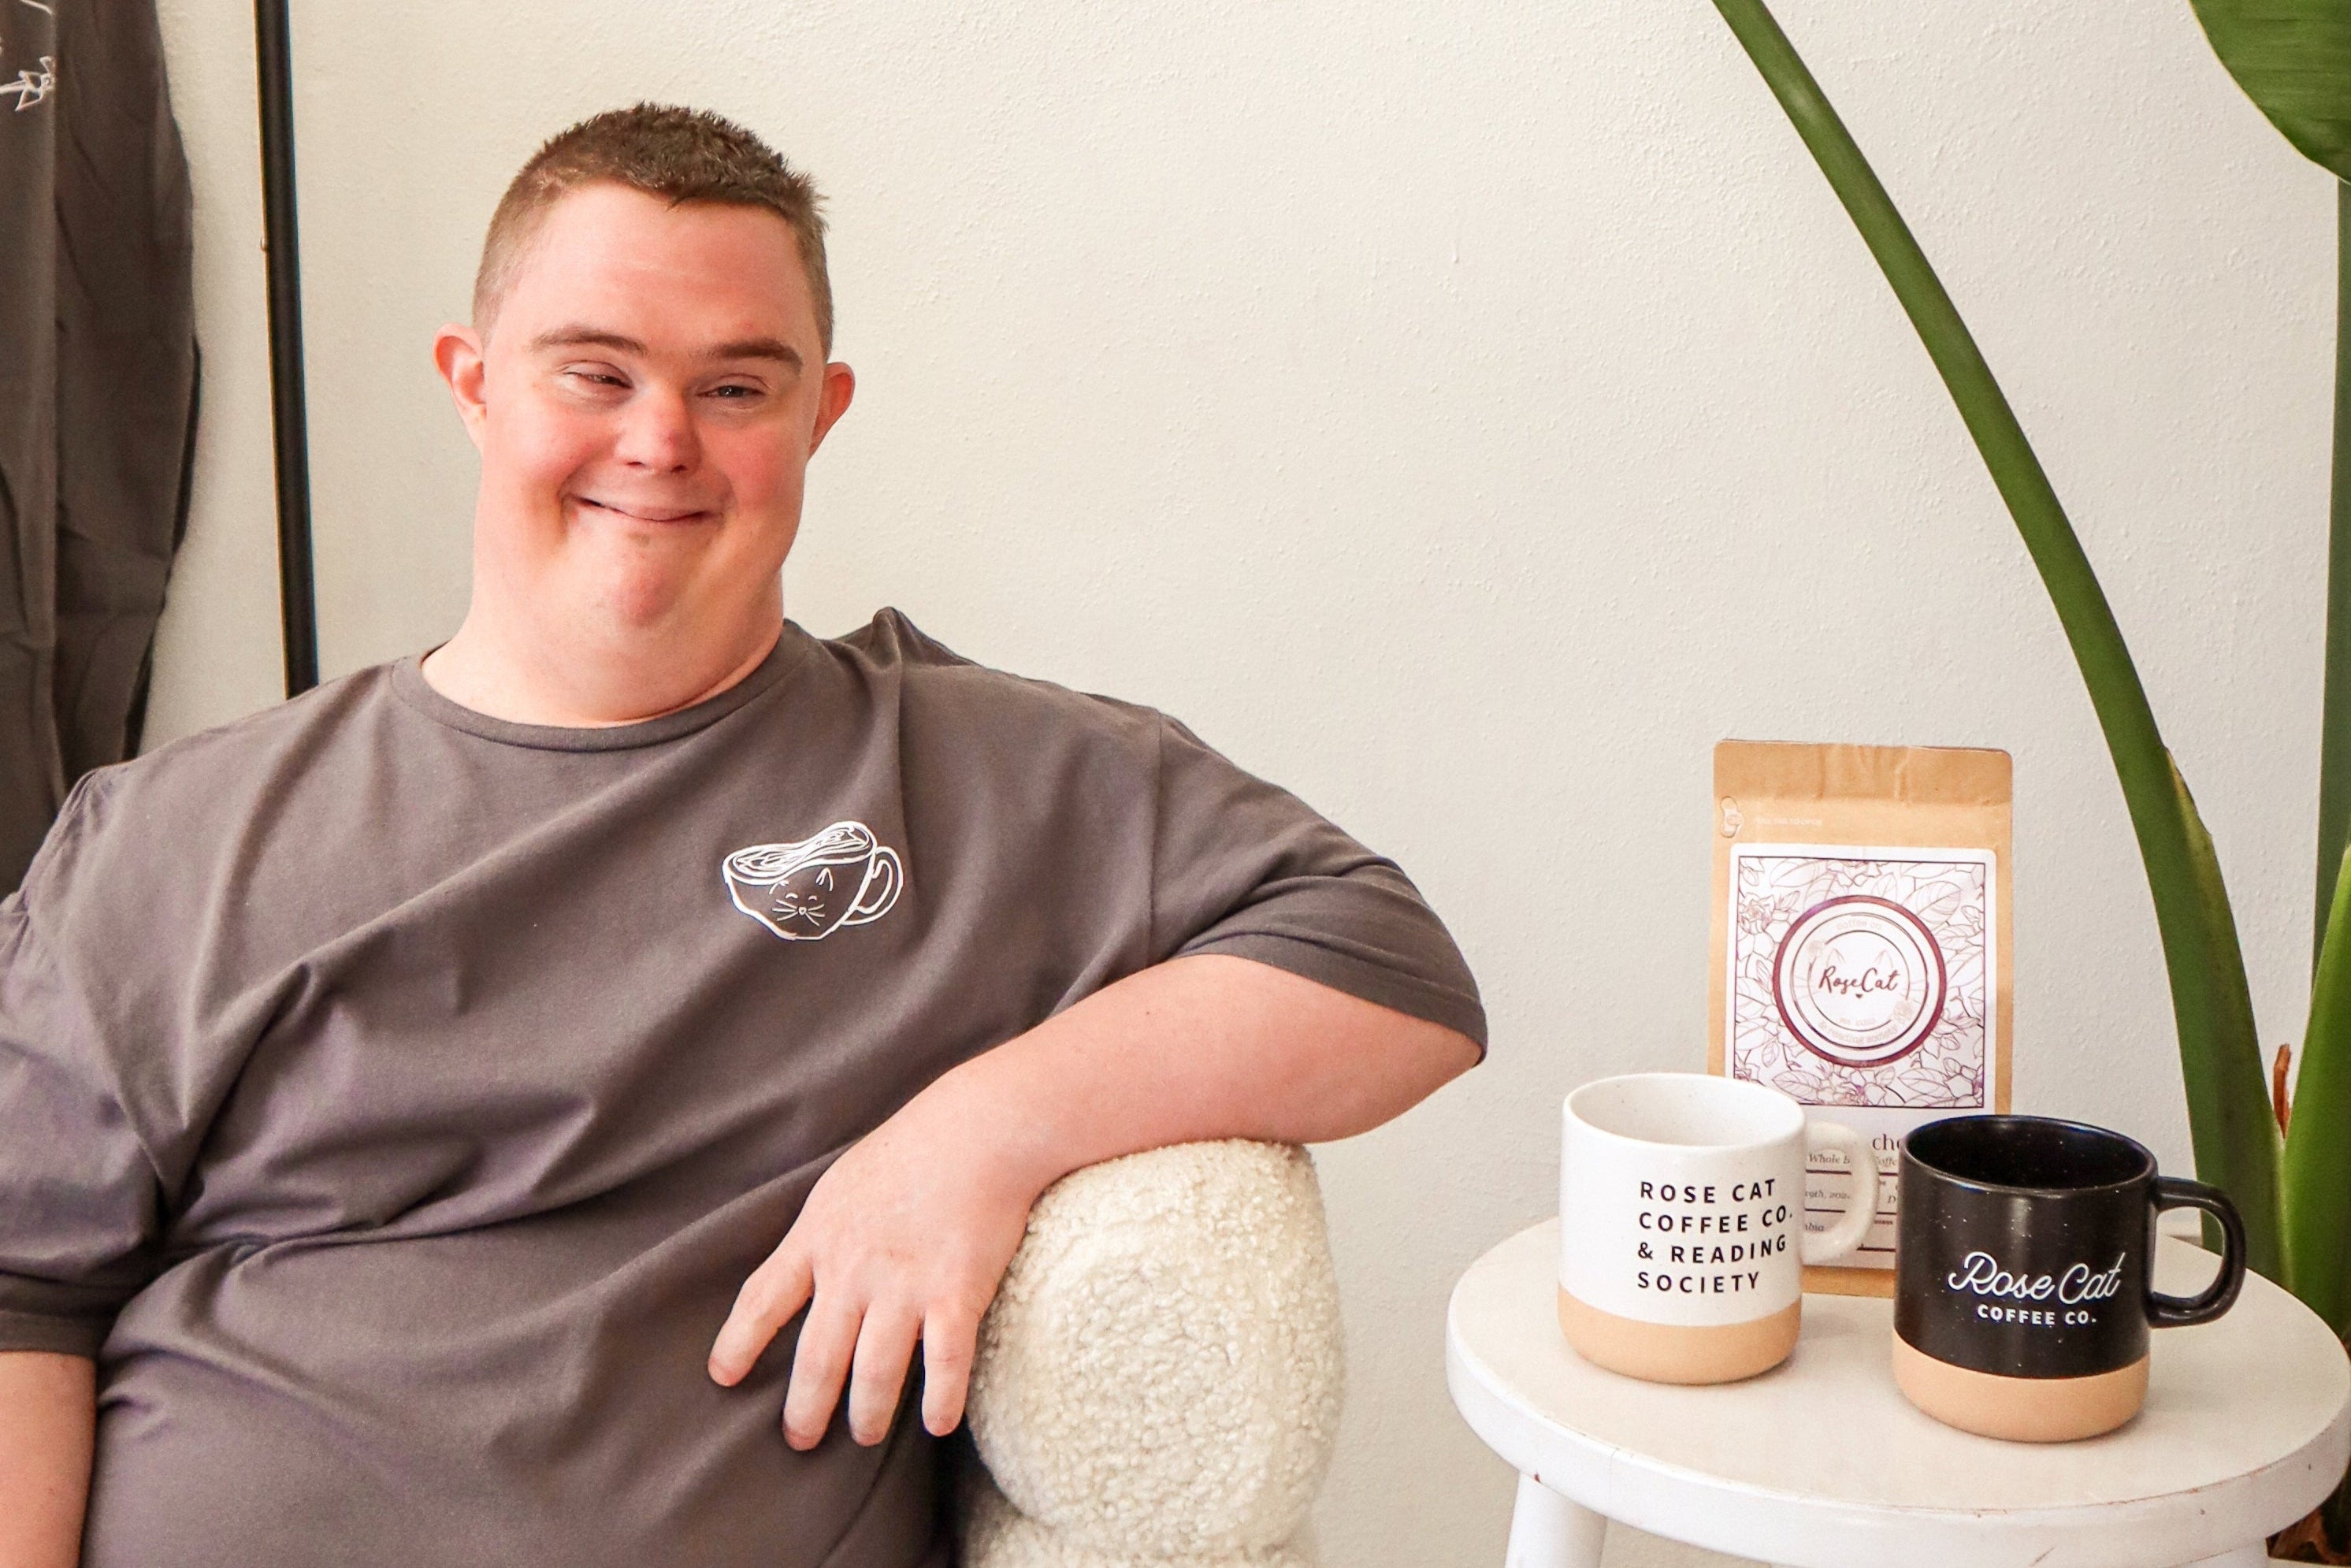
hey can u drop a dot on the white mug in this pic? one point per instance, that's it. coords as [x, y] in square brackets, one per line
[1681, 1223]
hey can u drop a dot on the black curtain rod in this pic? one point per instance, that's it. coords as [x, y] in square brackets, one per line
[297, 597]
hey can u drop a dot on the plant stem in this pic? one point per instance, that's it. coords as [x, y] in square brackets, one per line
[2335, 719]
[2228, 1103]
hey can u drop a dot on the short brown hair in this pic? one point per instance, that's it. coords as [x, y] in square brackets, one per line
[682, 154]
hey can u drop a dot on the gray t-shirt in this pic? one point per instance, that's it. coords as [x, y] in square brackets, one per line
[392, 1098]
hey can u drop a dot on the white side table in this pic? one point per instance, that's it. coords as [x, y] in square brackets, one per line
[1820, 1463]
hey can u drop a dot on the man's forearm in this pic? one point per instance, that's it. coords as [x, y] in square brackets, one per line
[906, 1235]
[1196, 1048]
[48, 1415]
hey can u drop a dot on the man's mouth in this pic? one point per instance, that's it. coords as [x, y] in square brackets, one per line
[637, 512]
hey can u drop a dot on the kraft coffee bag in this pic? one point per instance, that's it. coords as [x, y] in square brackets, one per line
[1861, 954]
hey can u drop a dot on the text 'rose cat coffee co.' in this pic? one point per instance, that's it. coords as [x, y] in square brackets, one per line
[1861, 954]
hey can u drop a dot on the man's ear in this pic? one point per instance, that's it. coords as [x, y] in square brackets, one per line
[832, 401]
[457, 354]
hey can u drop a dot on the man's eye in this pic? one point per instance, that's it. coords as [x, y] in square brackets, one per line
[735, 391]
[596, 377]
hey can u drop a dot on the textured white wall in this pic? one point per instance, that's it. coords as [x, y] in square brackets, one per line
[1464, 413]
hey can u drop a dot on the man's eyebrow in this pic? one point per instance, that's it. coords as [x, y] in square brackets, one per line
[587, 338]
[582, 337]
[757, 349]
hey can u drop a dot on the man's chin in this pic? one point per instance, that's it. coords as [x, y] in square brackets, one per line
[645, 593]
[635, 607]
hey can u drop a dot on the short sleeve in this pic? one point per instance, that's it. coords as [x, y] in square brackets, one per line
[78, 1197]
[1244, 868]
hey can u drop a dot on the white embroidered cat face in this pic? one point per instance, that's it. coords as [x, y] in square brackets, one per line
[810, 889]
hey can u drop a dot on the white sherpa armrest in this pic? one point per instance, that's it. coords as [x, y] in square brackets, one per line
[1159, 1379]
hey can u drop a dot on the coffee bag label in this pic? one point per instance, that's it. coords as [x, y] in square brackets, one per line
[1863, 977]
[1860, 947]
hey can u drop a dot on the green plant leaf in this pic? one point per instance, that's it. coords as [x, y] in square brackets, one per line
[2219, 1053]
[2334, 707]
[2242, 1122]
[2318, 1136]
[2293, 57]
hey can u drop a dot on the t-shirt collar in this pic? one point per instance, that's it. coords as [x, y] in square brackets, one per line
[409, 684]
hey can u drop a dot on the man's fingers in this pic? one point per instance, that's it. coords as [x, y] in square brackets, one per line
[775, 1289]
[820, 1362]
[885, 1346]
[950, 1337]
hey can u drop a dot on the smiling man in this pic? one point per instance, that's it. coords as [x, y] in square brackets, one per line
[569, 1099]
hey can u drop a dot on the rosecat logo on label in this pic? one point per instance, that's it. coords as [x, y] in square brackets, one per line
[1860, 980]
[1980, 1274]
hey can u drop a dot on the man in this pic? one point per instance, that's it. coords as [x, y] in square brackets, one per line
[403, 1091]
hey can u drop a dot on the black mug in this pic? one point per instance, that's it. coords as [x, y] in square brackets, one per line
[2021, 1300]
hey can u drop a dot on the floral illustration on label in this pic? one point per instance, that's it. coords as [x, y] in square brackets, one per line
[1862, 977]
[812, 887]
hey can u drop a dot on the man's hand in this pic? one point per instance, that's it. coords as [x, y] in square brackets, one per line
[903, 1240]
[909, 1233]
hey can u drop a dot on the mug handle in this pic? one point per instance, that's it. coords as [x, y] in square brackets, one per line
[2178, 1311]
[878, 892]
[1861, 1212]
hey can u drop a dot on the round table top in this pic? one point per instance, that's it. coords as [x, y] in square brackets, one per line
[1821, 1462]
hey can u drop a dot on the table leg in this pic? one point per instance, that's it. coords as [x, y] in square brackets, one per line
[1549, 1531]
[2257, 1555]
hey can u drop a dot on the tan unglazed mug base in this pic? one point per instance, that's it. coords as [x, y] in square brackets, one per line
[1675, 1353]
[2021, 1409]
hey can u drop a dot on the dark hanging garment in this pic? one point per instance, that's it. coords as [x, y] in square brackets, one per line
[98, 389]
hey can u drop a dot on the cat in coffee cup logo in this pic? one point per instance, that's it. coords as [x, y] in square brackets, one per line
[2069, 1291]
[809, 889]
[1709, 1236]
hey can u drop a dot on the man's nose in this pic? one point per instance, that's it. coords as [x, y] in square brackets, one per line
[657, 432]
